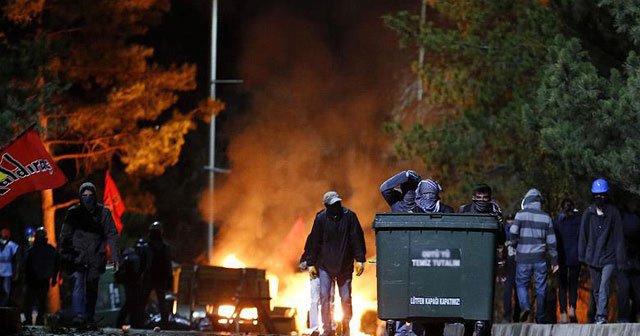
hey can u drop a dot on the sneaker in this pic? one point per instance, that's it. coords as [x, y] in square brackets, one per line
[601, 320]
[563, 318]
[524, 315]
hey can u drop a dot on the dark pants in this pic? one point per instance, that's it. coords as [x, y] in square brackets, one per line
[84, 296]
[511, 311]
[568, 282]
[132, 310]
[628, 290]
[36, 296]
[161, 290]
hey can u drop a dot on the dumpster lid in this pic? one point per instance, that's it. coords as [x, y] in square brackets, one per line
[465, 221]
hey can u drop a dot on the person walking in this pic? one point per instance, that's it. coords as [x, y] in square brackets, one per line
[337, 240]
[8, 265]
[158, 275]
[41, 272]
[567, 228]
[533, 236]
[87, 230]
[601, 245]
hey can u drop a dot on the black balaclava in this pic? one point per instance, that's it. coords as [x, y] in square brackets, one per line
[334, 211]
[89, 202]
[600, 200]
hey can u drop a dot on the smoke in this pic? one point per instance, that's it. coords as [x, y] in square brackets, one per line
[319, 97]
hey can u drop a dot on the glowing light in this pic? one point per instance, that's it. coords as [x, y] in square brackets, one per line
[231, 261]
[337, 311]
[223, 321]
[226, 311]
[249, 313]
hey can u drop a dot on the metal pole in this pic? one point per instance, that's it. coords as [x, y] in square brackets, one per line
[212, 128]
[423, 14]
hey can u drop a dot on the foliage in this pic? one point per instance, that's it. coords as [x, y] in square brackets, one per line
[118, 103]
[482, 61]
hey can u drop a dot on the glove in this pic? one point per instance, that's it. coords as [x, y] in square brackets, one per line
[413, 176]
[313, 272]
[511, 251]
[359, 268]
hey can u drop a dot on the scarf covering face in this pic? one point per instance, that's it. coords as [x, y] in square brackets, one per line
[427, 195]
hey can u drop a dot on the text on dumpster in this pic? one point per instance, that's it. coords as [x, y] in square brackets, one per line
[437, 258]
[434, 301]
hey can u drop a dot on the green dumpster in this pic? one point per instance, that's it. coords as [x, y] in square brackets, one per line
[435, 267]
[110, 299]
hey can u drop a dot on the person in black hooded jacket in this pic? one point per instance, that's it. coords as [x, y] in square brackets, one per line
[41, 272]
[86, 231]
[158, 273]
[336, 239]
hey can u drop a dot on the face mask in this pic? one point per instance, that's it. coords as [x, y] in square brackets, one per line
[88, 201]
[599, 201]
[482, 206]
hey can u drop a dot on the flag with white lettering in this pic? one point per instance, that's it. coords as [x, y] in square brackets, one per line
[26, 166]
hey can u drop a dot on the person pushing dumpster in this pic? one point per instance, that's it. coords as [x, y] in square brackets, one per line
[336, 239]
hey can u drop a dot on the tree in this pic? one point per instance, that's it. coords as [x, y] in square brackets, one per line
[116, 103]
[482, 61]
[590, 121]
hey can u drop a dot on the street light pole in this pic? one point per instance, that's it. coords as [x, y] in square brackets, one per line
[212, 128]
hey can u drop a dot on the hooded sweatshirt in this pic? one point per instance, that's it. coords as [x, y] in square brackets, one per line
[85, 233]
[532, 231]
[403, 200]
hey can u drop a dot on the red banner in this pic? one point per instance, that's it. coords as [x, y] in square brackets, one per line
[26, 166]
[113, 201]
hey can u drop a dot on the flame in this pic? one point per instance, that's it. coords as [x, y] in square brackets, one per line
[292, 290]
[231, 261]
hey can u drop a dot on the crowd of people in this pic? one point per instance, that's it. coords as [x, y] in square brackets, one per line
[87, 240]
[533, 246]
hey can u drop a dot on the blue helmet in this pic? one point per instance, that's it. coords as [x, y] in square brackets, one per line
[599, 186]
[28, 231]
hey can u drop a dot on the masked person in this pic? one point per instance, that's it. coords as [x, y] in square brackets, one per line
[8, 265]
[41, 272]
[601, 245]
[567, 228]
[158, 275]
[87, 230]
[130, 276]
[400, 191]
[482, 202]
[428, 198]
[533, 236]
[336, 240]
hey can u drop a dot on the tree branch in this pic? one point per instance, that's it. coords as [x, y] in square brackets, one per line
[84, 155]
[64, 205]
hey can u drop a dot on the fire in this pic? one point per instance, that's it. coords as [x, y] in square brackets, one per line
[292, 290]
[231, 261]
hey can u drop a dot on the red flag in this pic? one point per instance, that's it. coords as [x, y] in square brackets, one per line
[26, 166]
[113, 201]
